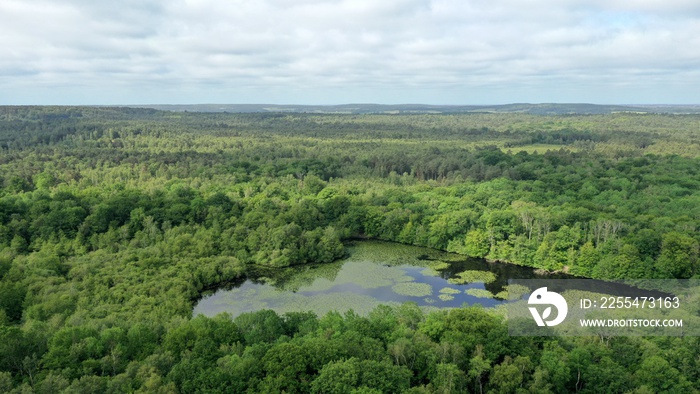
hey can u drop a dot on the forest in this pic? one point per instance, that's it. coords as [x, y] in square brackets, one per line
[114, 221]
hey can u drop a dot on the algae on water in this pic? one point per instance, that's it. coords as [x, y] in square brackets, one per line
[375, 273]
[446, 297]
[429, 272]
[512, 292]
[413, 289]
[365, 274]
[473, 276]
[479, 293]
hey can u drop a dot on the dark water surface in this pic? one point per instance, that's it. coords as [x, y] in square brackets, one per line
[374, 273]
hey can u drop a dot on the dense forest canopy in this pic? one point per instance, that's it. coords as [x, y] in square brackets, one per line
[114, 220]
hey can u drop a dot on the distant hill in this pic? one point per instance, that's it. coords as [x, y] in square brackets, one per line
[537, 109]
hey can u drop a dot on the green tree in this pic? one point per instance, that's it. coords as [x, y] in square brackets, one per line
[343, 376]
[509, 376]
[555, 361]
[337, 377]
[476, 243]
[44, 180]
[626, 264]
[287, 368]
[449, 379]
[656, 374]
[679, 255]
[260, 326]
[554, 252]
[478, 369]
[586, 260]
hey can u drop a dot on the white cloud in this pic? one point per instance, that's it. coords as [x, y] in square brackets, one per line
[347, 50]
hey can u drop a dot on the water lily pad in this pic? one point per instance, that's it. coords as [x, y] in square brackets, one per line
[375, 273]
[391, 253]
[479, 293]
[413, 289]
[512, 292]
[473, 276]
[365, 274]
[429, 272]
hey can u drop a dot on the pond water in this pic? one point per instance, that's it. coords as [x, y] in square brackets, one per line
[374, 273]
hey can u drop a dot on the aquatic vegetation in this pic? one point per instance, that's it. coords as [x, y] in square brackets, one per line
[413, 289]
[359, 282]
[512, 292]
[391, 253]
[295, 278]
[118, 219]
[256, 298]
[246, 298]
[479, 293]
[429, 272]
[368, 275]
[446, 297]
[473, 276]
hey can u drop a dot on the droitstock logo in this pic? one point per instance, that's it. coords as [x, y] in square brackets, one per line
[543, 297]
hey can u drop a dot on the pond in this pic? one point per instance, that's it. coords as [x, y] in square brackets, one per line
[374, 273]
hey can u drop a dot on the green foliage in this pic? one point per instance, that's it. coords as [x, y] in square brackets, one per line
[510, 375]
[476, 243]
[261, 326]
[587, 260]
[113, 221]
[657, 375]
[287, 368]
[343, 376]
[553, 253]
[11, 299]
[202, 337]
[449, 379]
[679, 255]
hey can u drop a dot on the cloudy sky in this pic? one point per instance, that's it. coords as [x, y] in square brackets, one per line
[349, 51]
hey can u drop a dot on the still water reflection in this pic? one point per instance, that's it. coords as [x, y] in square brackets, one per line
[374, 273]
